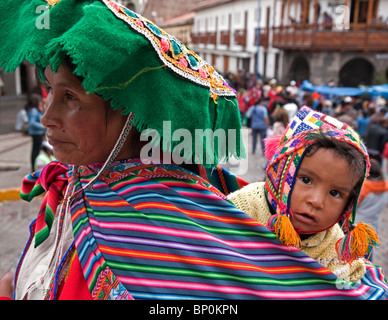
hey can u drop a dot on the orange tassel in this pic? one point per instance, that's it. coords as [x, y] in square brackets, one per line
[281, 225]
[357, 243]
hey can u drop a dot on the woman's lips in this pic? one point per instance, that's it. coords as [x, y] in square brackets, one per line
[54, 142]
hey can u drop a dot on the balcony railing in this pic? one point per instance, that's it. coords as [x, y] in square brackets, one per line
[357, 37]
[204, 37]
[225, 37]
[264, 37]
[311, 37]
[239, 38]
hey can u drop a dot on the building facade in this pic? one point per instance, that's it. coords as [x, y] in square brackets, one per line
[225, 34]
[159, 11]
[317, 40]
[339, 40]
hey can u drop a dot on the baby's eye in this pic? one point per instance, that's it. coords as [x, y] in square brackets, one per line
[335, 193]
[305, 180]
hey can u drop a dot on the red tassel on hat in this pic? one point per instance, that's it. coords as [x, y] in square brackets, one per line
[357, 243]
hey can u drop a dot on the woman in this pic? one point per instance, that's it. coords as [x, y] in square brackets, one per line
[113, 225]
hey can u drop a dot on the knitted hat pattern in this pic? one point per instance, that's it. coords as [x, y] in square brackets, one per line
[285, 154]
[128, 61]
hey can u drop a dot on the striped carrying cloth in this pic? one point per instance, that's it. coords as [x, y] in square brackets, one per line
[161, 232]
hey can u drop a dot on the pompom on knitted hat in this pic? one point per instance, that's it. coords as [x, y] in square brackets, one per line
[285, 154]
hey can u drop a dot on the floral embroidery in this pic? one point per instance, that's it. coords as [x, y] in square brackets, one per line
[178, 57]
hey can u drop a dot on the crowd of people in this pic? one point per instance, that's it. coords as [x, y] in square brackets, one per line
[267, 107]
[367, 115]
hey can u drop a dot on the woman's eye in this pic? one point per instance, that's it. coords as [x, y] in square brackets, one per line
[69, 96]
[48, 88]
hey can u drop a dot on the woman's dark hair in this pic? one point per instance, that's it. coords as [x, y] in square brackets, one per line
[345, 150]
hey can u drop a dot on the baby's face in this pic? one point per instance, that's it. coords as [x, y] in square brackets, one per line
[321, 192]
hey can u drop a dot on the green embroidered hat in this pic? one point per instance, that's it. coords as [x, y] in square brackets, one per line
[130, 62]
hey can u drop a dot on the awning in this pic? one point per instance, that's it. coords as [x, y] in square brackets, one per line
[374, 91]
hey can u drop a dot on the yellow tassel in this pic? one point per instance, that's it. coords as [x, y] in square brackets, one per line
[281, 225]
[357, 243]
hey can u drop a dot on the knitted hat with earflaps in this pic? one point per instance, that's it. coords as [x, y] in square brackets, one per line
[286, 154]
[130, 62]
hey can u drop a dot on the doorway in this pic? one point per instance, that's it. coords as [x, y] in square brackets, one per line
[356, 72]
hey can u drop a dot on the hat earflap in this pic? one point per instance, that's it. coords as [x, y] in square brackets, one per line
[357, 242]
[281, 225]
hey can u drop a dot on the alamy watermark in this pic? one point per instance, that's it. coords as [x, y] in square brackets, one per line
[182, 147]
[43, 20]
[342, 17]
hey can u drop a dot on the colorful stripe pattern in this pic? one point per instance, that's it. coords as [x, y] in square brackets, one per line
[165, 233]
[52, 178]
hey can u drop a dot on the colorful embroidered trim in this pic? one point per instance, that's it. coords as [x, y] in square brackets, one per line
[174, 53]
[108, 287]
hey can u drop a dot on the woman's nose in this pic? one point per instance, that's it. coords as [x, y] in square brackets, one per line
[50, 115]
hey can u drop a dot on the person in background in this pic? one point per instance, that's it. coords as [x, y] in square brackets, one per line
[327, 21]
[373, 198]
[345, 105]
[259, 123]
[35, 128]
[292, 89]
[290, 106]
[327, 107]
[242, 103]
[21, 122]
[362, 123]
[280, 117]
[44, 157]
[377, 137]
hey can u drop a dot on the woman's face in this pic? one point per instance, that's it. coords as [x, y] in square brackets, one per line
[76, 122]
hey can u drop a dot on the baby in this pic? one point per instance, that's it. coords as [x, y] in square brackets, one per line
[314, 177]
